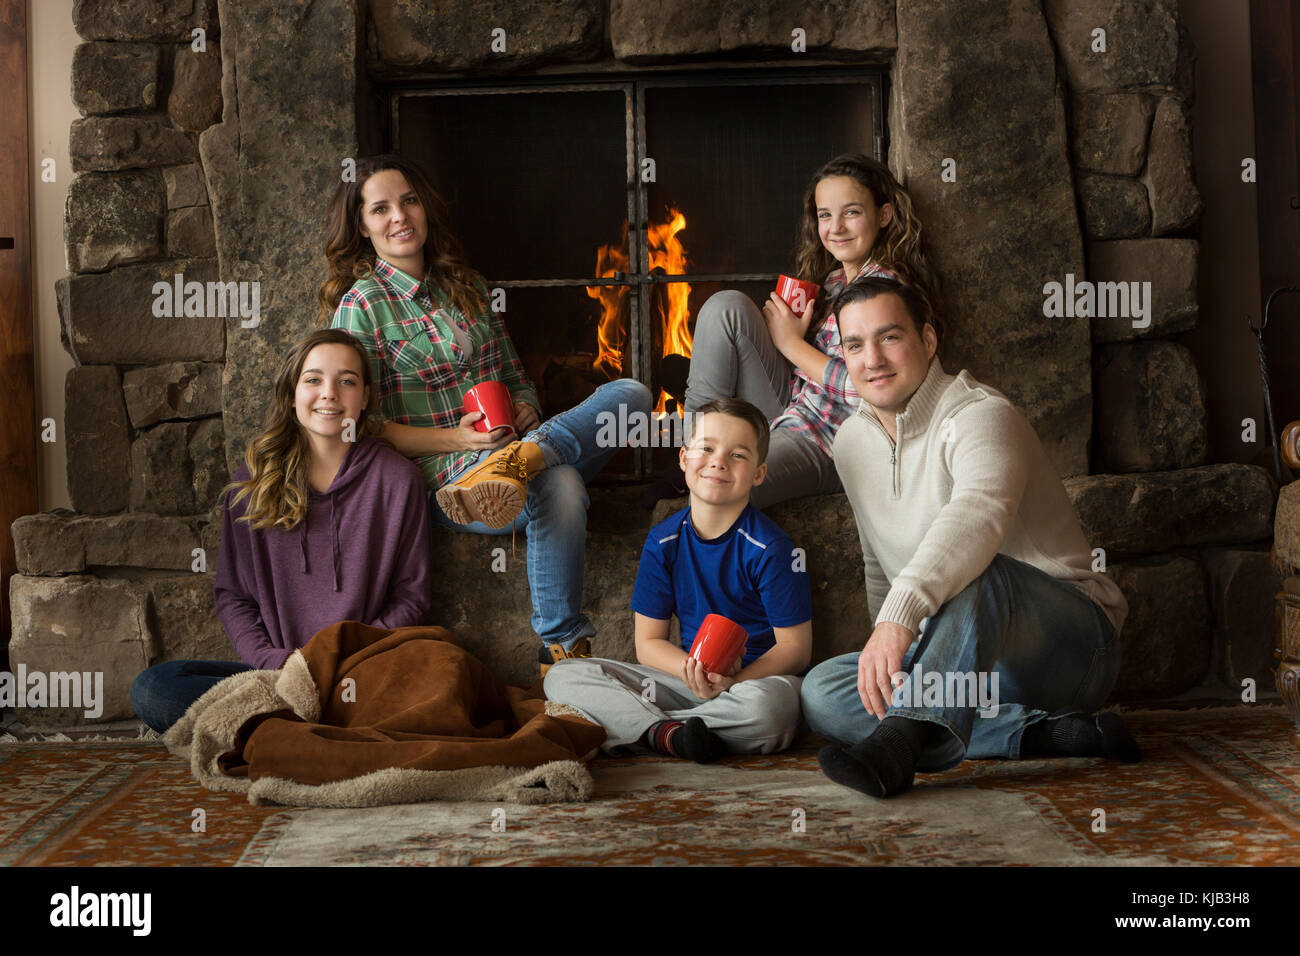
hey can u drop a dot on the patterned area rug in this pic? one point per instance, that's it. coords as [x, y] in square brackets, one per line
[1218, 786]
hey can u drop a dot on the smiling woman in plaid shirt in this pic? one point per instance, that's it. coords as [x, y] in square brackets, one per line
[400, 284]
[857, 221]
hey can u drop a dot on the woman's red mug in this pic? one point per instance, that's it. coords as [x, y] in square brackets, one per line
[797, 294]
[718, 643]
[493, 400]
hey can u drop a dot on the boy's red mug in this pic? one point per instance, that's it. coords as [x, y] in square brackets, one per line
[493, 400]
[718, 643]
[796, 293]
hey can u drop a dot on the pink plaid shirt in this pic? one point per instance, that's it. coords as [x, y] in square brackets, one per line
[818, 408]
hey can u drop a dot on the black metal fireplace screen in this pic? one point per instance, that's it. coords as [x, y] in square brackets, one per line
[588, 202]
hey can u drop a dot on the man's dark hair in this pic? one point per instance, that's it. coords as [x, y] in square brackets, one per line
[869, 287]
[738, 408]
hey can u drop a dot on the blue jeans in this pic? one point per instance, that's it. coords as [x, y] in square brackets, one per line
[1054, 651]
[555, 511]
[163, 693]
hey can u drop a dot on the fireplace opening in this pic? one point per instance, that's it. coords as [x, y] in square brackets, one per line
[607, 212]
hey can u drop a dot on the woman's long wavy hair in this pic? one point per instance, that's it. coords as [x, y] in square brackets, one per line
[898, 246]
[350, 256]
[278, 459]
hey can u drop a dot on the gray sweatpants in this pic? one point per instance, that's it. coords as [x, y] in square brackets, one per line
[733, 356]
[754, 716]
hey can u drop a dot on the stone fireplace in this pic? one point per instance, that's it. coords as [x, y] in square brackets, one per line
[1036, 150]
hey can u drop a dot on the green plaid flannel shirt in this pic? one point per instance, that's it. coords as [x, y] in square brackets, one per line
[421, 373]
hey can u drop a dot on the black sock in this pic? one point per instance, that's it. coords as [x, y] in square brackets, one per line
[690, 738]
[696, 742]
[883, 764]
[1104, 735]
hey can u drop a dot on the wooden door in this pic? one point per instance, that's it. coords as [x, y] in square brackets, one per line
[1275, 68]
[17, 410]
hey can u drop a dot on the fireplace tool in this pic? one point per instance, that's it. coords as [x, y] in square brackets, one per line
[1263, 374]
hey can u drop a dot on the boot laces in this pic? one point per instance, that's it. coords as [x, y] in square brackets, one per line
[511, 465]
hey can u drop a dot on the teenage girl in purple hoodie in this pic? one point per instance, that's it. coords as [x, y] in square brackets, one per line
[323, 523]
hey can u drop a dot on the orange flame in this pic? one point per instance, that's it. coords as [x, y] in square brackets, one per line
[666, 253]
[609, 334]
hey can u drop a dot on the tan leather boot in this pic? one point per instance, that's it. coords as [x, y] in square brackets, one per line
[552, 654]
[495, 491]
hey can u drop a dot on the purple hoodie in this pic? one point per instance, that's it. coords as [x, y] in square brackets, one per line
[361, 554]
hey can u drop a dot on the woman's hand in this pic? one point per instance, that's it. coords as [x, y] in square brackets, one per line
[474, 440]
[526, 418]
[783, 325]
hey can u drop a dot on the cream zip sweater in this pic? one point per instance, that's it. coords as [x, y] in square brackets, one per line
[967, 479]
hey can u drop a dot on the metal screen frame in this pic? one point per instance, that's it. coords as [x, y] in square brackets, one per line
[637, 353]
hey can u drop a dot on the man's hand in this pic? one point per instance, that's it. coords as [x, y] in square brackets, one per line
[703, 684]
[526, 418]
[882, 657]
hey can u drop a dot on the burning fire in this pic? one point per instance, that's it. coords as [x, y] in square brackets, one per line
[609, 335]
[666, 253]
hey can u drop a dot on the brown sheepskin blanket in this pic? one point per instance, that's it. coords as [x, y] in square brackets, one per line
[362, 716]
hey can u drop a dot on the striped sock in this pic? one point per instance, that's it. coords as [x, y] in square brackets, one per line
[659, 737]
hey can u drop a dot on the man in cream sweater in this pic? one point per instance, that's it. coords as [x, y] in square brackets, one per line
[992, 635]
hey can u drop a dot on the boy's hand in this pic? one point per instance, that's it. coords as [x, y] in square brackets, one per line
[703, 684]
[882, 657]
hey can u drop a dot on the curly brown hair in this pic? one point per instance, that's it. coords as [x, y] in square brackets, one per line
[898, 246]
[350, 256]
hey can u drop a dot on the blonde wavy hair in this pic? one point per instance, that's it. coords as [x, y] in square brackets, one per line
[278, 459]
[898, 246]
[350, 256]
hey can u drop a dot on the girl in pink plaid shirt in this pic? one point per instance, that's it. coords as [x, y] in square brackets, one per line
[858, 220]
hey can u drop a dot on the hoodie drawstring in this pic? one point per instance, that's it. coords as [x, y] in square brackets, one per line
[334, 542]
[334, 536]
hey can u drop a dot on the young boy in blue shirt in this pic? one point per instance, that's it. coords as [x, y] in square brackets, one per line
[718, 556]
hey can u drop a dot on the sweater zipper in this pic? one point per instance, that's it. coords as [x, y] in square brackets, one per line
[893, 452]
[893, 460]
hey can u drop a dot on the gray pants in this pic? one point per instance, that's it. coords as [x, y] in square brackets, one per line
[754, 716]
[733, 356]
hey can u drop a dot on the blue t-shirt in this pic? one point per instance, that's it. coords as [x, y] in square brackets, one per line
[750, 574]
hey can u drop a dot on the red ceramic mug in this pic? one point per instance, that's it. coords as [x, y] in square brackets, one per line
[797, 294]
[493, 400]
[718, 643]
